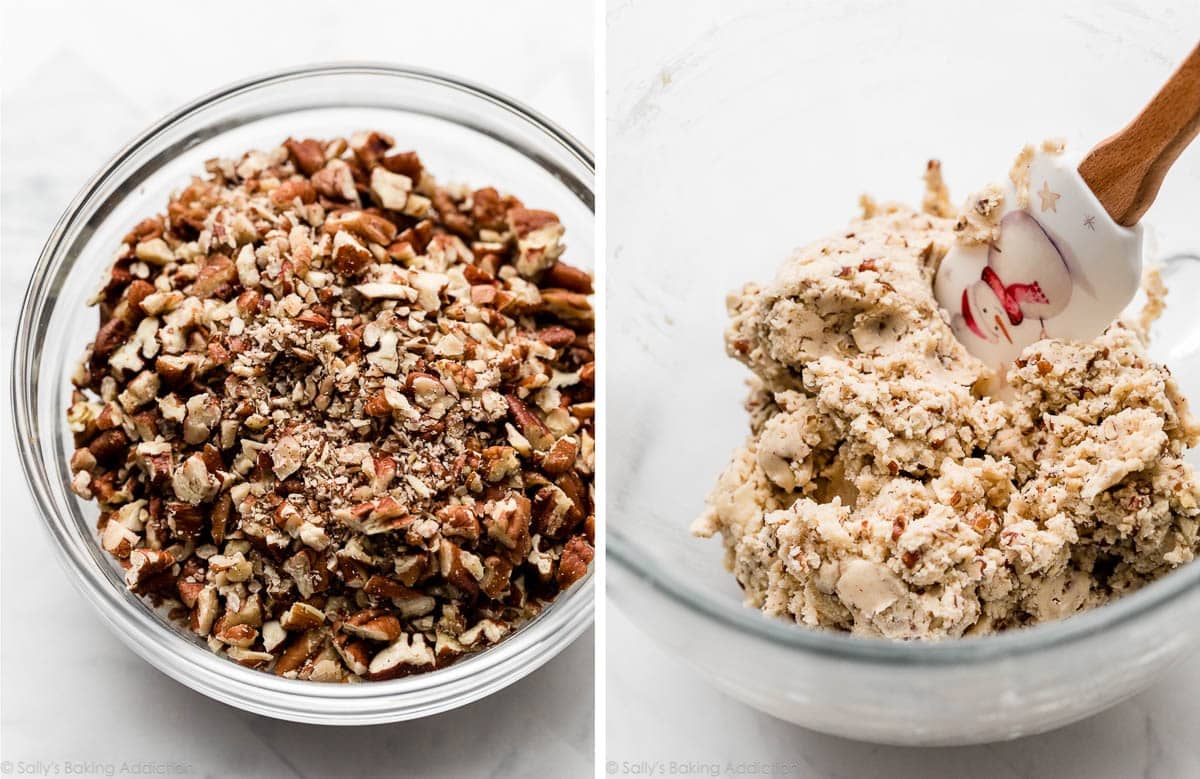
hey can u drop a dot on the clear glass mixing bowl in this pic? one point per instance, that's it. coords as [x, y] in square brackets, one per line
[667, 446]
[464, 133]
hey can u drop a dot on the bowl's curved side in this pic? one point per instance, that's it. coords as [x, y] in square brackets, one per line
[38, 371]
[929, 704]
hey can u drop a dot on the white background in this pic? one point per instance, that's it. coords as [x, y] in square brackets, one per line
[738, 130]
[768, 112]
[79, 80]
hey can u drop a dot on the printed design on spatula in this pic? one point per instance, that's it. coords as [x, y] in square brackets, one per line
[1027, 276]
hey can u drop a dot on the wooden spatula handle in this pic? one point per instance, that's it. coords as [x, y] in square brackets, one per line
[1125, 170]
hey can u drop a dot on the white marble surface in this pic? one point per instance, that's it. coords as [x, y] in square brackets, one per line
[738, 130]
[660, 711]
[80, 79]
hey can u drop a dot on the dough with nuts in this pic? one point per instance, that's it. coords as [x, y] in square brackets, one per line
[880, 492]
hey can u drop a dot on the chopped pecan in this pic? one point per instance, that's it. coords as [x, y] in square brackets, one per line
[561, 456]
[112, 334]
[298, 652]
[144, 564]
[370, 147]
[557, 336]
[307, 155]
[500, 462]
[336, 182]
[349, 256]
[373, 625]
[450, 216]
[568, 277]
[289, 191]
[301, 616]
[407, 655]
[109, 447]
[406, 163]
[215, 273]
[570, 307]
[329, 405]
[577, 555]
[531, 426]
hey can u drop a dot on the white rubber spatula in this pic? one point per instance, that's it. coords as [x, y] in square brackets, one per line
[1067, 263]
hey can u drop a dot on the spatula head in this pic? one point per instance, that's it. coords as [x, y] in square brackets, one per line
[1060, 268]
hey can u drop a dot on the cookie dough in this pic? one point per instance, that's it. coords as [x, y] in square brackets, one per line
[881, 492]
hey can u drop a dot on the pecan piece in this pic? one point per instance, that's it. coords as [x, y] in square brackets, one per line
[217, 272]
[349, 256]
[497, 575]
[530, 425]
[557, 336]
[302, 616]
[370, 147]
[144, 564]
[112, 334]
[298, 653]
[568, 277]
[577, 555]
[307, 155]
[365, 225]
[220, 520]
[109, 447]
[499, 462]
[459, 522]
[336, 182]
[373, 626]
[288, 191]
[570, 307]
[184, 519]
[407, 655]
[406, 163]
[508, 523]
[561, 456]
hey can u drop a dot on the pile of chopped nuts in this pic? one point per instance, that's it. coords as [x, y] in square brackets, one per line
[338, 417]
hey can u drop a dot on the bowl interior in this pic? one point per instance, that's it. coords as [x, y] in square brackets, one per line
[668, 445]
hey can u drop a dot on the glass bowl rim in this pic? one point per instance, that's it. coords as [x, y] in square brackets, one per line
[472, 677]
[624, 552]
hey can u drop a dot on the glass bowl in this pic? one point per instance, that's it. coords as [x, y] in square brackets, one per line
[675, 588]
[464, 133]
